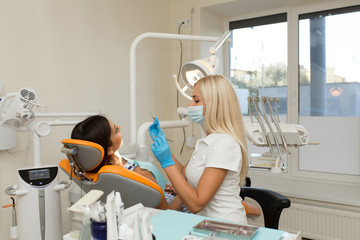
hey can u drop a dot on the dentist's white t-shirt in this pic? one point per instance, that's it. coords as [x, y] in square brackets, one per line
[219, 151]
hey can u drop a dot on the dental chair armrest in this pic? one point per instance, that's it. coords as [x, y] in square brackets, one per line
[272, 203]
[131, 175]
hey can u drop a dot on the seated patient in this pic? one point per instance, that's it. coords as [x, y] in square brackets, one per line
[100, 130]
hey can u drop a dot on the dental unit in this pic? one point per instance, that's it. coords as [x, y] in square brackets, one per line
[193, 70]
[38, 188]
[267, 131]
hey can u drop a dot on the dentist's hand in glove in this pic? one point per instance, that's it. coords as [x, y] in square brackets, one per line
[155, 130]
[162, 152]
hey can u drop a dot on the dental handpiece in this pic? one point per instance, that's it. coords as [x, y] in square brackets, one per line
[14, 222]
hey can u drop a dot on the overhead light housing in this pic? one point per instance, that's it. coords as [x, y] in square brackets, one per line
[193, 71]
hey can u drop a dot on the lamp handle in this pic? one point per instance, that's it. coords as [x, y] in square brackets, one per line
[181, 90]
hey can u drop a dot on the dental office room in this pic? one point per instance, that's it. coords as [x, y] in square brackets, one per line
[141, 65]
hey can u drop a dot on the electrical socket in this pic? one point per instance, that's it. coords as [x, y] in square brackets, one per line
[184, 22]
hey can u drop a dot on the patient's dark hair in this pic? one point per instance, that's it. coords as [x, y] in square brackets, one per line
[94, 129]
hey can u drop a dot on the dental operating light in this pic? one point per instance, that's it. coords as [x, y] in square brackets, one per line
[198, 71]
[191, 72]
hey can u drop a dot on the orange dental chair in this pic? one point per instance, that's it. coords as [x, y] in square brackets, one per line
[84, 156]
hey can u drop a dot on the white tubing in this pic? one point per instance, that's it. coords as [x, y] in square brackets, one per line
[60, 115]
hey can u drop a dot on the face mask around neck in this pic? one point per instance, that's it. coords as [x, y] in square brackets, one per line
[196, 114]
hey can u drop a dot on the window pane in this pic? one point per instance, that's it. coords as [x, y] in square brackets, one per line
[259, 63]
[329, 59]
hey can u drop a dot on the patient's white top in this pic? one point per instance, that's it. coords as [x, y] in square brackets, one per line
[219, 151]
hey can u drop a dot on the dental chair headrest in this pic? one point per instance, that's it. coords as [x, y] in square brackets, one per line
[84, 154]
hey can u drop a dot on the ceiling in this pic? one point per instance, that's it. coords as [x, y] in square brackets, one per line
[244, 7]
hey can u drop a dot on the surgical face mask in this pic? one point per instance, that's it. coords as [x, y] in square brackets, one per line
[196, 114]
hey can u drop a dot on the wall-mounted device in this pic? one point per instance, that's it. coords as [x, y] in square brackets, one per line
[38, 189]
[38, 201]
[16, 108]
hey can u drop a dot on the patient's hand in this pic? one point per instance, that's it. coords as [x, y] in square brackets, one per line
[170, 189]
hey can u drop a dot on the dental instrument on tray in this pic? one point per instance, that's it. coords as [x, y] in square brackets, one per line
[267, 131]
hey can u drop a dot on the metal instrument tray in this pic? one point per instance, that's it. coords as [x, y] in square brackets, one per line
[224, 230]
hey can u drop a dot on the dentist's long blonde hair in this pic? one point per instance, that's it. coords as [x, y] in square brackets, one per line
[223, 114]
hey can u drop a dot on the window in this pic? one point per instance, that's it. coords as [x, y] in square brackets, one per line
[318, 46]
[259, 59]
[329, 58]
[259, 67]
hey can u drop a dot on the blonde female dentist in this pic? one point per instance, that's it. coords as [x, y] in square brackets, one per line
[209, 184]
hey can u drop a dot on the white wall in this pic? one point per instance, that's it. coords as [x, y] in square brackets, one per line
[75, 55]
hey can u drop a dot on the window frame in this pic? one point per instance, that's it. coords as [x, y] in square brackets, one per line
[317, 186]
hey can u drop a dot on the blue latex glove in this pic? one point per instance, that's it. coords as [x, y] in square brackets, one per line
[155, 130]
[162, 152]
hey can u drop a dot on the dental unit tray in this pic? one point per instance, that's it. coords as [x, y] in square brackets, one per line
[294, 135]
[222, 230]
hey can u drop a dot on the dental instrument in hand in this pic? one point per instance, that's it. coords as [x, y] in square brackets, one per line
[153, 135]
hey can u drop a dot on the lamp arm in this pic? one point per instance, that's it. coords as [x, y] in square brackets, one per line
[133, 47]
[63, 115]
[219, 42]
